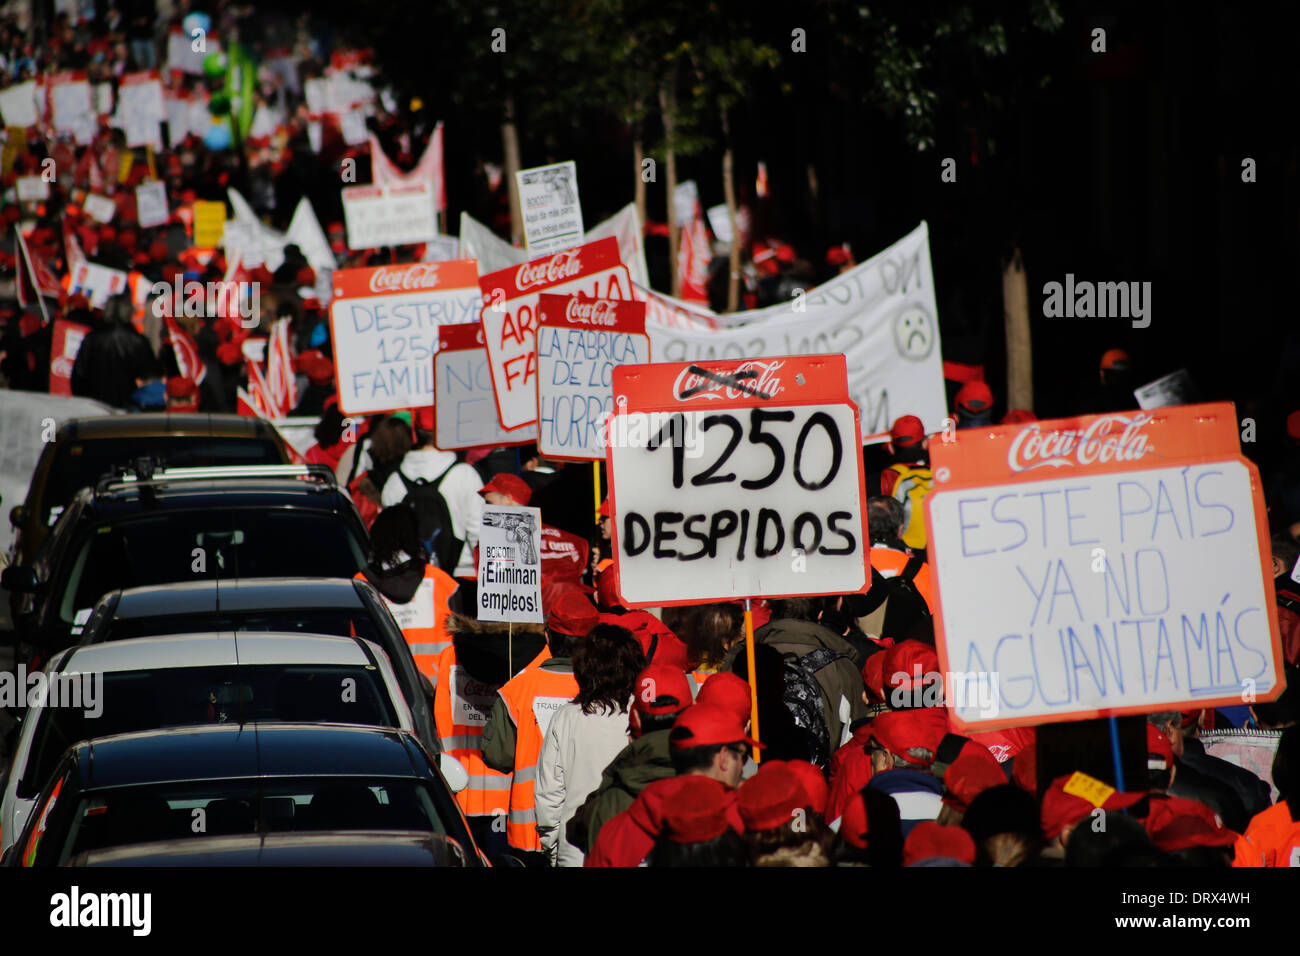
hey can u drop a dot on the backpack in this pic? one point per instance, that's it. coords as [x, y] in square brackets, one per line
[804, 699]
[893, 606]
[910, 488]
[433, 519]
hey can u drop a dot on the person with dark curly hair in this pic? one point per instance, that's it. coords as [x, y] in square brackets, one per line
[585, 734]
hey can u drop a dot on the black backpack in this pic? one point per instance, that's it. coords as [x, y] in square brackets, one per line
[804, 699]
[904, 606]
[433, 519]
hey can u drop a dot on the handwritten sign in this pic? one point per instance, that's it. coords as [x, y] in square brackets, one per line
[391, 215]
[509, 316]
[151, 203]
[209, 224]
[18, 104]
[1111, 564]
[97, 283]
[100, 208]
[579, 343]
[71, 106]
[465, 410]
[385, 322]
[32, 189]
[736, 479]
[548, 196]
[141, 110]
[510, 565]
[1176, 388]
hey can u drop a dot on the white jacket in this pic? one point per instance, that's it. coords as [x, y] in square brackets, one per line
[576, 750]
[459, 489]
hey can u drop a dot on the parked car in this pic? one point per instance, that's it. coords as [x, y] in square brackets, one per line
[183, 525]
[352, 848]
[342, 606]
[155, 682]
[229, 780]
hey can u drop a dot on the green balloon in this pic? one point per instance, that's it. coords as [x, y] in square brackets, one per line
[214, 65]
[219, 105]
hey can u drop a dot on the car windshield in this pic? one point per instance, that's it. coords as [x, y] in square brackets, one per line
[181, 696]
[341, 622]
[227, 543]
[144, 814]
[80, 463]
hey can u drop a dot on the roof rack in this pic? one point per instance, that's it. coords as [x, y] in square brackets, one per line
[166, 476]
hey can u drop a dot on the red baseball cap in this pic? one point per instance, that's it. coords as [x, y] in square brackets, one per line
[907, 432]
[423, 418]
[908, 659]
[1293, 425]
[929, 840]
[898, 731]
[873, 674]
[970, 775]
[708, 725]
[512, 486]
[772, 797]
[814, 784]
[661, 689]
[1178, 824]
[696, 812]
[1064, 807]
[729, 691]
[605, 510]
[975, 398]
[572, 613]
[853, 822]
[607, 587]
[1116, 359]
[1160, 752]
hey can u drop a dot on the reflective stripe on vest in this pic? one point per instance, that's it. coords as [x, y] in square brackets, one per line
[460, 712]
[531, 698]
[423, 619]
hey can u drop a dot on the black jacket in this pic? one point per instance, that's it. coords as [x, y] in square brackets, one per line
[1255, 795]
[111, 359]
[1213, 792]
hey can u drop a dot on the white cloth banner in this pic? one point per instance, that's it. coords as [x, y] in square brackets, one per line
[390, 215]
[881, 316]
[258, 244]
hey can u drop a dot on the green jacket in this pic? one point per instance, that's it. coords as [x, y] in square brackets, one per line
[640, 763]
[499, 733]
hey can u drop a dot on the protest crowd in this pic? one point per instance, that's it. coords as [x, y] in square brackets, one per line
[648, 753]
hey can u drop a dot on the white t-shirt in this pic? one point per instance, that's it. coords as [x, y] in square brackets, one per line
[459, 489]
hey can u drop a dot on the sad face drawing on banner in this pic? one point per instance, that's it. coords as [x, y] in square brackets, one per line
[914, 333]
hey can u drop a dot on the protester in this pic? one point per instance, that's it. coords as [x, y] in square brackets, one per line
[696, 830]
[1272, 837]
[781, 827]
[908, 478]
[1211, 784]
[903, 745]
[973, 406]
[114, 360]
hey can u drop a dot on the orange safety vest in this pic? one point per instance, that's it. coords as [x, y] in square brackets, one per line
[423, 619]
[461, 706]
[890, 563]
[531, 698]
[1271, 839]
[695, 680]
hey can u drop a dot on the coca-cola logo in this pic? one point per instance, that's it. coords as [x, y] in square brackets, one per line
[601, 312]
[562, 265]
[419, 276]
[751, 379]
[1111, 438]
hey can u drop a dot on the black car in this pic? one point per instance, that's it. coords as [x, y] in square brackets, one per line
[345, 607]
[186, 524]
[349, 848]
[230, 780]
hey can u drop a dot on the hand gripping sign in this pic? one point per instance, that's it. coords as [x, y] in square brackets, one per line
[737, 479]
[509, 316]
[465, 411]
[1104, 565]
[384, 323]
[579, 343]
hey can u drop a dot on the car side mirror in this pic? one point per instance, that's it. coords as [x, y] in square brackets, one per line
[454, 772]
[19, 579]
[16, 516]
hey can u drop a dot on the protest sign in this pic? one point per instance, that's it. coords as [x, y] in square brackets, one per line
[736, 480]
[97, 283]
[100, 208]
[151, 203]
[685, 198]
[579, 342]
[1176, 388]
[548, 199]
[1104, 565]
[510, 565]
[509, 316]
[65, 343]
[465, 410]
[881, 315]
[18, 104]
[140, 109]
[392, 215]
[384, 323]
[209, 223]
[32, 189]
[71, 107]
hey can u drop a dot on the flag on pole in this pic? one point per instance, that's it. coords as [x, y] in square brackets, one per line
[693, 257]
[188, 363]
[283, 386]
[428, 170]
[36, 279]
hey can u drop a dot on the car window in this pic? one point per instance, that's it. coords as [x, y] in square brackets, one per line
[127, 815]
[82, 462]
[229, 543]
[341, 622]
[180, 696]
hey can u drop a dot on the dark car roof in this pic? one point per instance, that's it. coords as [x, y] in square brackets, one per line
[189, 423]
[223, 751]
[217, 493]
[249, 594]
[343, 848]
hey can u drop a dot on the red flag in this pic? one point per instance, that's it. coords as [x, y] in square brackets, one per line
[428, 170]
[188, 363]
[261, 392]
[693, 257]
[37, 278]
[279, 368]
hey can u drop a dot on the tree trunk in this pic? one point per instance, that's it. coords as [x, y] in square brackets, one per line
[1020, 356]
[510, 146]
[668, 109]
[638, 157]
[729, 191]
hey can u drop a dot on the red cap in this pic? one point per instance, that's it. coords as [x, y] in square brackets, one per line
[306, 276]
[905, 660]
[572, 613]
[1018, 416]
[1024, 770]
[970, 775]
[708, 725]
[605, 510]
[975, 398]
[319, 369]
[78, 300]
[814, 784]
[729, 691]
[1160, 752]
[898, 731]
[661, 690]
[607, 587]
[1292, 424]
[928, 841]
[908, 431]
[837, 256]
[771, 798]
[1177, 824]
[873, 674]
[512, 486]
[229, 353]
[1061, 809]
[696, 812]
[180, 387]
[785, 253]
[1116, 359]
[853, 822]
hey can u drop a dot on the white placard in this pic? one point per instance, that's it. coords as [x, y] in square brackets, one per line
[100, 208]
[151, 203]
[72, 109]
[720, 223]
[32, 189]
[141, 111]
[18, 104]
[317, 92]
[465, 410]
[685, 198]
[97, 283]
[353, 126]
[551, 211]
[389, 215]
[510, 565]
[1176, 388]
